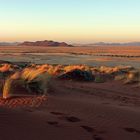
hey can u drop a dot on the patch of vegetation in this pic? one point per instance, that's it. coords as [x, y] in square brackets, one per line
[99, 79]
[35, 79]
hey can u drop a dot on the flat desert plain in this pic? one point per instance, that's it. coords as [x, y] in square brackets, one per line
[74, 110]
[92, 56]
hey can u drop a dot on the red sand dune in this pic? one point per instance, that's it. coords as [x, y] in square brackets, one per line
[74, 111]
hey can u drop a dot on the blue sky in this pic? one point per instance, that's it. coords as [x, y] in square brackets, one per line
[76, 21]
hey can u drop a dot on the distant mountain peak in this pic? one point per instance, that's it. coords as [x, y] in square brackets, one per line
[45, 43]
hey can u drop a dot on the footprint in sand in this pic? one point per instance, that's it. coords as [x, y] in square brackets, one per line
[57, 113]
[91, 130]
[52, 123]
[28, 110]
[95, 137]
[67, 118]
[72, 119]
[88, 129]
[132, 130]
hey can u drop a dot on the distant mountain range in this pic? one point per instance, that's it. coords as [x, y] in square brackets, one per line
[47, 43]
[110, 44]
[9, 43]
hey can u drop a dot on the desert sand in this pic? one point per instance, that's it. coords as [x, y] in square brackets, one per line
[74, 110]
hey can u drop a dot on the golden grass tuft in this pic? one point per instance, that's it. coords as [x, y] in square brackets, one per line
[7, 88]
[73, 67]
[24, 78]
[5, 68]
[133, 77]
[30, 73]
[41, 75]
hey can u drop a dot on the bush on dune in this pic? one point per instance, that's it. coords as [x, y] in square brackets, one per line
[120, 77]
[29, 74]
[32, 81]
[11, 88]
[51, 69]
[74, 67]
[112, 70]
[39, 84]
[78, 75]
[10, 84]
[54, 71]
[99, 79]
[132, 77]
[129, 77]
[5, 67]
[7, 88]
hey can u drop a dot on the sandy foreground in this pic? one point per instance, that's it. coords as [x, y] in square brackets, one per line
[74, 111]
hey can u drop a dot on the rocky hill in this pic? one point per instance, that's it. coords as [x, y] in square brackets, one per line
[44, 43]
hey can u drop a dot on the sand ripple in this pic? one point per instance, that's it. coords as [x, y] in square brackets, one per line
[35, 101]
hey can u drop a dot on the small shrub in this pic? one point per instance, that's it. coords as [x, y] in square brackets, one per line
[31, 81]
[120, 77]
[74, 67]
[77, 74]
[99, 80]
[132, 77]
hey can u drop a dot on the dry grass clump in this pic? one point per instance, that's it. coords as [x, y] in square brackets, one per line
[10, 86]
[120, 77]
[130, 77]
[44, 67]
[6, 70]
[10, 83]
[36, 78]
[57, 69]
[8, 67]
[34, 81]
[74, 67]
[110, 70]
[127, 74]
[77, 75]
[104, 69]
[29, 74]
[5, 67]
[52, 70]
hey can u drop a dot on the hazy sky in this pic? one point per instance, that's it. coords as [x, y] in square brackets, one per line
[76, 21]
